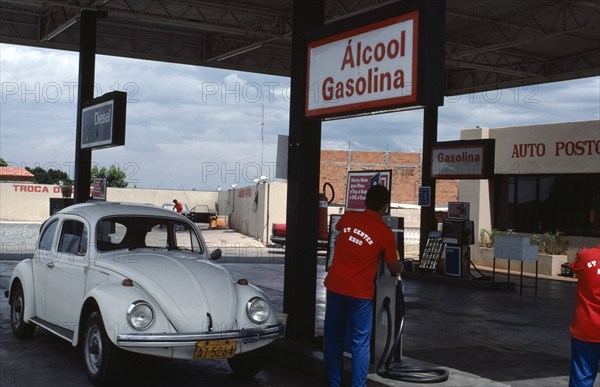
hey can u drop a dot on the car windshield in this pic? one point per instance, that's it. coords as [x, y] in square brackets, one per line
[131, 232]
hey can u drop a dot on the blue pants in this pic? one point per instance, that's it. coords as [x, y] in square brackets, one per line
[585, 356]
[345, 313]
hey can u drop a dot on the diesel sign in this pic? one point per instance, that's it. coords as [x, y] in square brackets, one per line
[103, 121]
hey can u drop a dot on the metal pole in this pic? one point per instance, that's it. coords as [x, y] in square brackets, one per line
[87, 62]
[299, 297]
[428, 221]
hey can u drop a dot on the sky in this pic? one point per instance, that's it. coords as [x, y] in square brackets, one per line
[201, 128]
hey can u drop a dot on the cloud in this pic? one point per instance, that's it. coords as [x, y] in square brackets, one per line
[197, 127]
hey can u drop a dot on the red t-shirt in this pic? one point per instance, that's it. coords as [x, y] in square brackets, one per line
[586, 319]
[178, 207]
[363, 239]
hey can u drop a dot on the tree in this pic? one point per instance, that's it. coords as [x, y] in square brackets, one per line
[51, 176]
[3, 163]
[115, 176]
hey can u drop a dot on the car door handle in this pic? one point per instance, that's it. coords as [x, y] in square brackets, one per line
[50, 265]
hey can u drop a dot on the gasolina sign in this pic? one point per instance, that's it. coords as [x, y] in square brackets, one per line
[371, 67]
[466, 159]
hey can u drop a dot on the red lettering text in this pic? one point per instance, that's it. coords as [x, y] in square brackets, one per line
[577, 148]
[374, 82]
[528, 150]
[354, 56]
[33, 188]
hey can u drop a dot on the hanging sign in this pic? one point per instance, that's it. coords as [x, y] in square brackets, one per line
[376, 66]
[103, 121]
[372, 66]
[99, 189]
[359, 183]
[466, 159]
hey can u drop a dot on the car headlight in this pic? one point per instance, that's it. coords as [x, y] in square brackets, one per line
[140, 315]
[258, 310]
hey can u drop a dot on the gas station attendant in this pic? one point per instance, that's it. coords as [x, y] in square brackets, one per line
[364, 238]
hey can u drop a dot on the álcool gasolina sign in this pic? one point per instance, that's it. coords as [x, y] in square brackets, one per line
[376, 66]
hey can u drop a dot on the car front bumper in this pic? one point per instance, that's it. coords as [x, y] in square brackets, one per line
[161, 340]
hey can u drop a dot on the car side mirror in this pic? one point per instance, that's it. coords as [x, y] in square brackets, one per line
[216, 254]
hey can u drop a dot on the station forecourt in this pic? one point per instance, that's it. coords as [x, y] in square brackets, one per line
[305, 244]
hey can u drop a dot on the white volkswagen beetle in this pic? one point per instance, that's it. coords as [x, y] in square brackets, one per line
[117, 277]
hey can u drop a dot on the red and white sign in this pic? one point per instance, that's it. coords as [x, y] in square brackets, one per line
[359, 183]
[99, 189]
[459, 210]
[368, 68]
[460, 160]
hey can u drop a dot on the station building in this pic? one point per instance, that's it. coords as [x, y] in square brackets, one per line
[546, 180]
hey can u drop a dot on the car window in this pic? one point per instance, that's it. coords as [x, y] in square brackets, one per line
[73, 238]
[47, 237]
[145, 232]
[109, 233]
[185, 238]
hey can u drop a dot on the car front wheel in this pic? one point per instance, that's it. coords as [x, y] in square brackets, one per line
[247, 364]
[20, 328]
[100, 355]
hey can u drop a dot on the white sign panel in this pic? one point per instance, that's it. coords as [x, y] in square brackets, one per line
[365, 69]
[97, 123]
[459, 161]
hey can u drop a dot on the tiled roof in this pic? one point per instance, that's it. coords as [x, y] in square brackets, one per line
[15, 171]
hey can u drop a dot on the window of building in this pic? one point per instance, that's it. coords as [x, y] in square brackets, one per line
[547, 203]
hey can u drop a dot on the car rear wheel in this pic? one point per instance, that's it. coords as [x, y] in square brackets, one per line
[247, 364]
[101, 357]
[20, 328]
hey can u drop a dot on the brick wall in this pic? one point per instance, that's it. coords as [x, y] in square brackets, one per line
[406, 174]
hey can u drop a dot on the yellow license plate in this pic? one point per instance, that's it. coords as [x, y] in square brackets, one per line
[218, 349]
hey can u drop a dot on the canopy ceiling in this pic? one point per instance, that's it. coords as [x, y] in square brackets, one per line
[490, 44]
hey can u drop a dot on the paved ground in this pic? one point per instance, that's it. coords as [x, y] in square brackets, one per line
[484, 337]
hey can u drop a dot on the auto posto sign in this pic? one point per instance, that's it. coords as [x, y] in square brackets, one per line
[376, 66]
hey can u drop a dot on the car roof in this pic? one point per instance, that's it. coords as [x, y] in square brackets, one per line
[93, 211]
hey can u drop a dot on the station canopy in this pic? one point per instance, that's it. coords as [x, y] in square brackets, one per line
[489, 44]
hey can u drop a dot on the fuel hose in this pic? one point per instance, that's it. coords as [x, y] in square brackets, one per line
[395, 370]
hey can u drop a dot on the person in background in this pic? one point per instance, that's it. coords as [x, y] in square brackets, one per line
[585, 326]
[177, 206]
[364, 238]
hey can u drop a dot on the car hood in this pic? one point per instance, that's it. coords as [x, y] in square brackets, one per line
[186, 288]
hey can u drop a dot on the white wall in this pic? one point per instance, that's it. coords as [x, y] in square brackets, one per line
[252, 210]
[160, 196]
[25, 202]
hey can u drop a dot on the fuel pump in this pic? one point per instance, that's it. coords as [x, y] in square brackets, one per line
[389, 360]
[457, 234]
[388, 322]
[386, 288]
